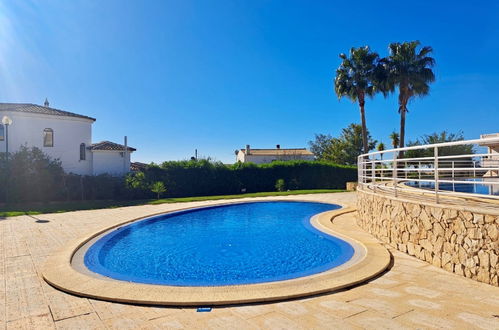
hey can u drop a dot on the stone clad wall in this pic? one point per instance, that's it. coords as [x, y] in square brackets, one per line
[460, 241]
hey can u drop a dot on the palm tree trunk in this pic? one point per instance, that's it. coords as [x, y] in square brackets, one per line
[364, 125]
[402, 126]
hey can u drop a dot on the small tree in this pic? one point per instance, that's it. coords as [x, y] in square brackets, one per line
[280, 185]
[395, 139]
[381, 147]
[158, 187]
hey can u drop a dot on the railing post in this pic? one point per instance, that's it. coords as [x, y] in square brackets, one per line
[474, 169]
[453, 177]
[373, 173]
[435, 168]
[419, 171]
[394, 174]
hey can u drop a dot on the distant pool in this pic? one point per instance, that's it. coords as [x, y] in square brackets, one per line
[223, 245]
[474, 187]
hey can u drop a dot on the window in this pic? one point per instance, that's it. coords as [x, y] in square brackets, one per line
[48, 137]
[2, 133]
[82, 151]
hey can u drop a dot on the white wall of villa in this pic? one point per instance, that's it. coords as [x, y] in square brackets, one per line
[110, 162]
[265, 156]
[71, 141]
[68, 134]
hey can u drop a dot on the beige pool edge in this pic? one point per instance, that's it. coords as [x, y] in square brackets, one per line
[370, 260]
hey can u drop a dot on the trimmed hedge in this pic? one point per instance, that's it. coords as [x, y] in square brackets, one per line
[204, 178]
[32, 176]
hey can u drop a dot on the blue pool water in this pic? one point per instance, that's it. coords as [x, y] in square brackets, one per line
[223, 245]
[474, 187]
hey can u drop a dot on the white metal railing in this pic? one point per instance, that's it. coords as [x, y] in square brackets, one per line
[433, 169]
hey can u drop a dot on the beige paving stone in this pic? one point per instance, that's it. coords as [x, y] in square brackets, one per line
[385, 292]
[24, 298]
[83, 322]
[424, 304]
[383, 281]
[390, 308]
[425, 320]
[417, 290]
[275, 321]
[182, 320]
[375, 320]
[249, 311]
[43, 321]
[435, 298]
[224, 320]
[293, 308]
[63, 306]
[478, 321]
[324, 320]
[341, 309]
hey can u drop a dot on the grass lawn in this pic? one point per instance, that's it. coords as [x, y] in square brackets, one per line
[58, 207]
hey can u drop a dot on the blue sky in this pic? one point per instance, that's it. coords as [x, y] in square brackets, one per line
[217, 75]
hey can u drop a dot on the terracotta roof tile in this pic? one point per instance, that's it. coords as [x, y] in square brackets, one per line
[109, 146]
[34, 108]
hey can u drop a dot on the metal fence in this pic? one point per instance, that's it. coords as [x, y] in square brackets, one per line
[434, 170]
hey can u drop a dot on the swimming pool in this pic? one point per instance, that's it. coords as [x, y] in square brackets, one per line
[473, 187]
[232, 244]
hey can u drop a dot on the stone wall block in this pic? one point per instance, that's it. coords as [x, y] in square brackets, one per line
[463, 242]
[484, 259]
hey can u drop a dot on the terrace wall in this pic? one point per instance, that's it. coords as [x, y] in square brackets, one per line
[458, 239]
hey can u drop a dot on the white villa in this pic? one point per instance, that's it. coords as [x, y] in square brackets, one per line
[63, 135]
[493, 151]
[264, 156]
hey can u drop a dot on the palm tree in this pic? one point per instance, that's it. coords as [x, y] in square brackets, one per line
[395, 139]
[354, 79]
[410, 71]
[381, 147]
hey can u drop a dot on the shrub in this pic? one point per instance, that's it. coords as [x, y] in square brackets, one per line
[158, 187]
[280, 185]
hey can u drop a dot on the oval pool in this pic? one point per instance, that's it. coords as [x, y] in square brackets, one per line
[230, 244]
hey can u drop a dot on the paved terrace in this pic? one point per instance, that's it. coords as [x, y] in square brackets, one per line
[412, 294]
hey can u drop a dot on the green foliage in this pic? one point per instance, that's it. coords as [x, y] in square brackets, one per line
[441, 137]
[205, 178]
[35, 177]
[408, 70]
[395, 138]
[355, 79]
[280, 185]
[158, 187]
[344, 149]
[32, 176]
[354, 76]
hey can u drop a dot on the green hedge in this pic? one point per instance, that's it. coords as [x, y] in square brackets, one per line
[204, 178]
[32, 176]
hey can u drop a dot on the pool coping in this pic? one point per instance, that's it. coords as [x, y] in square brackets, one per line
[370, 259]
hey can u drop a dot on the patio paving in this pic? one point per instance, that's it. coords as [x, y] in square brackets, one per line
[412, 294]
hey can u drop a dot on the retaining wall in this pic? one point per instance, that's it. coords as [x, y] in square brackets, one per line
[460, 240]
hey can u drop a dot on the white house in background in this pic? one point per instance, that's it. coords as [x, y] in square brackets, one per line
[63, 135]
[264, 156]
[492, 160]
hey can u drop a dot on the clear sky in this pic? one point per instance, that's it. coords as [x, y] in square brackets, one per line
[217, 75]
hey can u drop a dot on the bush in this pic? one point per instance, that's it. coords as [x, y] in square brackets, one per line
[280, 185]
[33, 176]
[204, 178]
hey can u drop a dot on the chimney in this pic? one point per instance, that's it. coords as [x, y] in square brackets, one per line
[248, 149]
[278, 146]
[46, 103]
